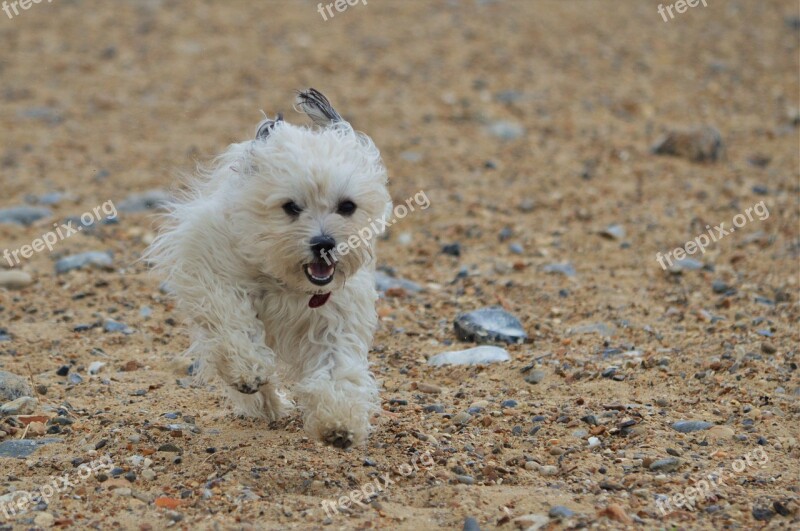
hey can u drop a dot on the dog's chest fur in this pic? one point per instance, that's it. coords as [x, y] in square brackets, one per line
[296, 332]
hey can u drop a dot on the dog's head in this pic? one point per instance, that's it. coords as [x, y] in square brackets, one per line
[311, 201]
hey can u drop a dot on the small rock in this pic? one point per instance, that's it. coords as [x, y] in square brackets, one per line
[601, 329]
[535, 377]
[43, 519]
[21, 448]
[719, 287]
[13, 387]
[384, 283]
[670, 464]
[548, 470]
[508, 403]
[559, 511]
[95, 367]
[430, 389]
[516, 248]
[75, 378]
[531, 522]
[699, 144]
[489, 325]
[452, 249]
[688, 426]
[63, 370]
[24, 215]
[471, 524]
[141, 202]
[565, 269]
[613, 232]
[111, 326]
[720, 433]
[24, 405]
[474, 356]
[768, 348]
[505, 130]
[685, 264]
[466, 480]
[461, 418]
[148, 474]
[763, 514]
[103, 260]
[14, 279]
[434, 408]
[593, 442]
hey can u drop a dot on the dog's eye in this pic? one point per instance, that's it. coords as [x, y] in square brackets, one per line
[346, 208]
[292, 209]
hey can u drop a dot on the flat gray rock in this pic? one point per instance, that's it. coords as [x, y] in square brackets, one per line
[144, 201]
[22, 448]
[24, 215]
[489, 325]
[472, 356]
[566, 269]
[384, 282]
[688, 426]
[13, 387]
[77, 261]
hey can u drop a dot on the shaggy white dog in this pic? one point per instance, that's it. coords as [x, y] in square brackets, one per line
[247, 251]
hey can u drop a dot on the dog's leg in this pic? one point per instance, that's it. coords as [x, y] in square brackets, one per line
[268, 403]
[338, 397]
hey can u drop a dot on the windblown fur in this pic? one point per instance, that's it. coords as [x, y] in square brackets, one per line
[235, 251]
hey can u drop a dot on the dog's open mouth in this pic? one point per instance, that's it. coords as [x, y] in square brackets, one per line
[319, 273]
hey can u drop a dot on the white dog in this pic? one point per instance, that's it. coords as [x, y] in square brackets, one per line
[247, 252]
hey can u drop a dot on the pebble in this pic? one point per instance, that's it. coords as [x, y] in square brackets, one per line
[428, 388]
[719, 287]
[516, 248]
[670, 464]
[148, 474]
[548, 470]
[21, 448]
[384, 283]
[532, 522]
[505, 130]
[24, 405]
[720, 433]
[763, 514]
[95, 367]
[698, 144]
[144, 201]
[75, 378]
[97, 259]
[601, 329]
[565, 269]
[452, 249]
[111, 326]
[474, 356]
[768, 348]
[594, 441]
[489, 325]
[685, 264]
[63, 370]
[559, 511]
[14, 279]
[24, 215]
[461, 418]
[613, 232]
[434, 408]
[466, 480]
[688, 426]
[535, 377]
[43, 519]
[13, 387]
[508, 403]
[471, 524]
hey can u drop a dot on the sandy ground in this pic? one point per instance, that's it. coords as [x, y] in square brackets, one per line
[101, 100]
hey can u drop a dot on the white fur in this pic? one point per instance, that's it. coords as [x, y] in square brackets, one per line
[234, 259]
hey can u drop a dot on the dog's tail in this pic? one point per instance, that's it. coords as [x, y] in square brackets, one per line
[317, 107]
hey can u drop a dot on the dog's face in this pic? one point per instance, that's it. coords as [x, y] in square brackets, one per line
[312, 204]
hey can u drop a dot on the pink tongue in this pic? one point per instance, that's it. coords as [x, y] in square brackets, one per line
[321, 269]
[318, 300]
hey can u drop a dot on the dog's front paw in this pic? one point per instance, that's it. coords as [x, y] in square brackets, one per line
[338, 438]
[250, 387]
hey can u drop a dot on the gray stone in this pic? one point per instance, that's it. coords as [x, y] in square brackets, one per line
[13, 387]
[15, 279]
[24, 405]
[489, 325]
[670, 464]
[473, 356]
[685, 264]
[565, 269]
[688, 426]
[21, 448]
[600, 329]
[471, 524]
[144, 201]
[505, 130]
[97, 259]
[535, 377]
[559, 511]
[23, 215]
[613, 232]
[384, 282]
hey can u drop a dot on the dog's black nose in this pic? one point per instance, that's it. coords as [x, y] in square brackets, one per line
[322, 245]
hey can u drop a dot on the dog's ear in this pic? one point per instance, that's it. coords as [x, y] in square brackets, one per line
[317, 107]
[265, 127]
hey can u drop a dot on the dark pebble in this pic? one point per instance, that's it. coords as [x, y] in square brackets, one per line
[539, 418]
[763, 514]
[434, 408]
[117, 471]
[508, 403]
[559, 511]
[470, 524]
[489, 325]
[688, 426]
[63, 370]
[452, 249]
[398, 402]
[516, 430]
[130, 476]
[369, 462]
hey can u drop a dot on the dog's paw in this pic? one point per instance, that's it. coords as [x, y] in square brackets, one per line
[250, 386]
[338, 438]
